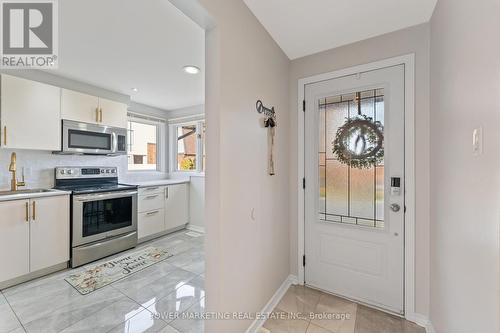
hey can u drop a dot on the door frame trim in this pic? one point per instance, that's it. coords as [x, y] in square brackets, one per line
[408, 61]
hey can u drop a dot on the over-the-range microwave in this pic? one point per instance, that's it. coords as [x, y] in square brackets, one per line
[92, 139]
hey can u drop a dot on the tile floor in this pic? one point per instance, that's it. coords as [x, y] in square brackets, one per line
[145, 302]
[138, 303]
[331, 315]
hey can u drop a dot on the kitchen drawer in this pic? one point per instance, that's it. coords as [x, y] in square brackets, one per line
[151, 190]
[151, 201]
[151, 223]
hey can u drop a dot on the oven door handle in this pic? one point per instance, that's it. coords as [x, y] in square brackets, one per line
[104, 196]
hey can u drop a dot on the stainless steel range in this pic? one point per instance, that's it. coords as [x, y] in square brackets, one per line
[103, 212]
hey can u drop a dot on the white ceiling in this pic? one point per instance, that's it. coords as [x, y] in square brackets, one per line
[304, 27]
[125, 44]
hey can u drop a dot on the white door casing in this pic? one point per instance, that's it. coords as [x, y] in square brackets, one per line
[365, 263]
[408, 61]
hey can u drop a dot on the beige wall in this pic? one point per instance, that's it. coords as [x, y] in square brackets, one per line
[465, 94]
[411, 40]
[247, 260]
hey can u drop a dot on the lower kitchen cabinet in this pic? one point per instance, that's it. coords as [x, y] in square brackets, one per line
[162, 209]
[14, 239]
[176, 206]
[49, 232]
[34, 235]
[151, 223]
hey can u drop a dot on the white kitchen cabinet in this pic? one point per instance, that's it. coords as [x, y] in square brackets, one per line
[162, 209]
[78, 106]
[113, 113]
[151, 223]
[176, 206]
[34, 235]
[30, 114]
[86, 108]
[150, 202]
[143, 191]
[14, 239]
[49, 232]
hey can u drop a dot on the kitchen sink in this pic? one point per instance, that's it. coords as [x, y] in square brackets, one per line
[29, 191]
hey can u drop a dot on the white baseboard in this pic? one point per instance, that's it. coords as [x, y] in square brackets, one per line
[294, 279]
[196, 228]
[422, 321]
[429, 328]
[269, 307]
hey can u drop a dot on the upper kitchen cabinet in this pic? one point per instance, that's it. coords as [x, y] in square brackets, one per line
[91, 109]
[79, 107]
[112, 113]
[30, 114]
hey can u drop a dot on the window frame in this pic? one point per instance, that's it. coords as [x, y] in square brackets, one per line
[172, 128]
[160, 140]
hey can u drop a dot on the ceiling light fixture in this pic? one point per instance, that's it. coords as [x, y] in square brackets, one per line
[191, 69]
[135, 90]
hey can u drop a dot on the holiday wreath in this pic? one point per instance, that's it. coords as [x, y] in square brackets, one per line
[359, 143]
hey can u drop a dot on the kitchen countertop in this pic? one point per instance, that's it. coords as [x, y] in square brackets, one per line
[20, 195]
[159, 182]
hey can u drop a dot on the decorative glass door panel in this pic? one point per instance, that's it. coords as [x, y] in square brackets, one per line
[349, 194]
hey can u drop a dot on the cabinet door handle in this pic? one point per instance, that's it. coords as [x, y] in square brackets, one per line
[166, 192]
[27, 212]
[34, 211]
[5, 135]
[151, 196]
[152, 213]
[100, 115]
[97, 115]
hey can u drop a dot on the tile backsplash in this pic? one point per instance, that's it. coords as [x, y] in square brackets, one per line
[39, 167]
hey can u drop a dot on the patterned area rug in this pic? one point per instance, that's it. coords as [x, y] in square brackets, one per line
[111, 271]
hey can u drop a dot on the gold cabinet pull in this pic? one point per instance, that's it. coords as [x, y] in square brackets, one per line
[27, 212]
[100, 115]
[5, 135]
[34, 210]
[97, 115]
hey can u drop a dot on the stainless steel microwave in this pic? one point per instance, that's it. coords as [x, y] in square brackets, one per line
[92, 139]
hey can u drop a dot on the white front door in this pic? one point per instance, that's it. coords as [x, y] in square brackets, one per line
[354, 152]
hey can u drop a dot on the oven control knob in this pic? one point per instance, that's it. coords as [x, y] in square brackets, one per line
[107, 171]
[102, 170]
[62, 171]
[70, 172]
[113, 171]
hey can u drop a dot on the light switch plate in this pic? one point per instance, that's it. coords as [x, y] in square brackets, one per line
[477, 141]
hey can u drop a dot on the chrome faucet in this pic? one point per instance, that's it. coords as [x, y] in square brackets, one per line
[14, 184]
